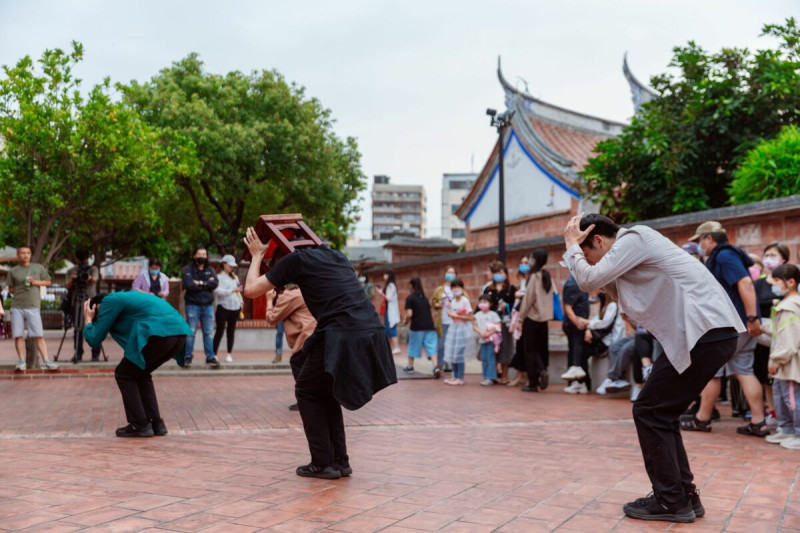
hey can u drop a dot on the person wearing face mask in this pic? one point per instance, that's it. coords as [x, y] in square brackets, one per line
[459, 346]
[440, 303]
[501, 297]
[764, 297]
[199, 282]
[488, 326]
[518, 361]
[152, 280]
[535, 311]
[229, 303]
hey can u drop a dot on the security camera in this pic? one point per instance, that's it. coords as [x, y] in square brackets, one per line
[491, 112]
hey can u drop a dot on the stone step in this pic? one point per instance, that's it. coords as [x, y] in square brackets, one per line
[106, 369]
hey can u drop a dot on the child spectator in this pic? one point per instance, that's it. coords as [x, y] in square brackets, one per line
[459, 345]
[488, 326]
[784, 359]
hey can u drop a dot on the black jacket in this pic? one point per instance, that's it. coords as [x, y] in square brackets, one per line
[200, 293]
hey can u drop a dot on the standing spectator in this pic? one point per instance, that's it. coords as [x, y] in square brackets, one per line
[422, 332]
[152, 280]
[729, 265]
[459, 344]
[576, 312]
[784, 361]
[5, 294]
[81, 286]
[501, 297]
[199, 282]
[488, 327]
[369, 288]
[518, 361]
[25, 279]
[150, 332]
[775, 255]
[535, 311]
[392, 315]
[280, 330]
[229, 304]
[440, 302]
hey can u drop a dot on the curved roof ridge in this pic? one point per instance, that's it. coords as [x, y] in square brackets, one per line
[640, 93]
[525, 96]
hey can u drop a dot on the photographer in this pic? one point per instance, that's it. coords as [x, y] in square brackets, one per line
[81, 286]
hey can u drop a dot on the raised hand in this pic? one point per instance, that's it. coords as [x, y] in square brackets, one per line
[572, 232]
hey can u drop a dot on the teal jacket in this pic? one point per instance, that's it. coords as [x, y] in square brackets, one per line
[132, 318]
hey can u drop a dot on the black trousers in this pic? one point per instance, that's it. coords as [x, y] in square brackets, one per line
[577, 354]
[321, 413]
[136, 385]
[225, 317]
[664, 397]
[535, 346]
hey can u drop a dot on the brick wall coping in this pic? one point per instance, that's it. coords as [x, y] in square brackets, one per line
[787, 203]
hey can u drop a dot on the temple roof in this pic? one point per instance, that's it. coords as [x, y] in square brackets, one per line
[560, 139]
[640, 93]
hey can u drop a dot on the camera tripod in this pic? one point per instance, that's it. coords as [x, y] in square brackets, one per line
[75, 320]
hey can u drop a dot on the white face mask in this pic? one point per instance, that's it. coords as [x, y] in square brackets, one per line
[777, 291]
[457, 293]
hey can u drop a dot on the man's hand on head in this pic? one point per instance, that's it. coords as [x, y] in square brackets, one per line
[572, 232]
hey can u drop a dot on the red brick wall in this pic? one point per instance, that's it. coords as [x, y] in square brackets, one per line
[521, 231]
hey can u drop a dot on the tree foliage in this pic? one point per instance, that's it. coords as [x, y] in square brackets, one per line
[75, 170]
[680, 153]
[250, 145]
[770, 170]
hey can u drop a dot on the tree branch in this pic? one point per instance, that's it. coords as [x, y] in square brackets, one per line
[204, 222]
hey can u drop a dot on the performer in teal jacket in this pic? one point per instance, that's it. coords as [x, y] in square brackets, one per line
[150, 332]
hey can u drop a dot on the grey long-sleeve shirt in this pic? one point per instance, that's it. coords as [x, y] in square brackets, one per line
[661, 287]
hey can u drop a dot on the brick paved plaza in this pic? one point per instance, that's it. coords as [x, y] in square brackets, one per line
[425, 457]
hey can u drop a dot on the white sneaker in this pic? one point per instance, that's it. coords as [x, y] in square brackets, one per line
[396, 351]
[577, 388]
[229, 358]
[618, 385]
[771, 421]
[792, 444]
[776, 438]
[487, 382]
[573, 372]
[50, 365]
[635, 392]
[646, 372]
[602, 388]
[21, 366]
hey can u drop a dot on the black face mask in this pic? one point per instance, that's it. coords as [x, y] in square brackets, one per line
[201, 261]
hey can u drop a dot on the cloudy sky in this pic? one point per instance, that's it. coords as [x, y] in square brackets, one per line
[409, 79]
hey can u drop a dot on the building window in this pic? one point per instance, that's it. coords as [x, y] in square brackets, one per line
[460, 184]
[457, 234]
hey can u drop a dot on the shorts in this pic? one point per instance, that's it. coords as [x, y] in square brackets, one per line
[418, 339]
[391, 331]
[22, 317]
[741, 364]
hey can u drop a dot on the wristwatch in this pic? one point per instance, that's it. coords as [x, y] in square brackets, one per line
[752, 318]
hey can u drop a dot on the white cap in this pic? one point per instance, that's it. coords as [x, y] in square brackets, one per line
[229, 259]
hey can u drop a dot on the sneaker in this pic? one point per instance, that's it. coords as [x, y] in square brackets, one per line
[646, 372]
[771, 421]
[449, 381]
[529, 388]
[544, 379]
[213, 362]
[635, 392]
[343, 464]
[21, 366]
[229, 358]
[577, 388]
[792, 444]
[619, 385]
[131, 430]
[602, 388]
[159, 427]
[322, 472]
[697, 505]
[437, 372]
[459, 382]
[396, 351]
[652, 508]
[487, 382]
[50, 365]
[777, 438]
[573, 372]
[409, 370]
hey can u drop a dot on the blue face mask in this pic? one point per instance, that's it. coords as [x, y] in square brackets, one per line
[524, 269]
[450, 277]
[499, 278]
[154, 272]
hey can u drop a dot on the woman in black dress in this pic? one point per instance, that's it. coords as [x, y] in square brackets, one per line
[501, 293]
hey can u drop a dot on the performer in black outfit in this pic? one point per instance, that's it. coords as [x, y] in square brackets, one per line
[345, 361]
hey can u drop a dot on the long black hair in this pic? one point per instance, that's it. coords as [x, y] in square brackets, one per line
[390, 274]
[539, 256]
[416, 287]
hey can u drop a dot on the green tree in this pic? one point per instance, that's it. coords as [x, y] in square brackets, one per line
[75, 170]
[679, 154]
[770, 170]
[261, 145]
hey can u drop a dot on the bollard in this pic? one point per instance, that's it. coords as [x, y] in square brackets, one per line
[31, 354]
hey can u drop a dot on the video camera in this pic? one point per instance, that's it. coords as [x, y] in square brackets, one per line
[82, 280]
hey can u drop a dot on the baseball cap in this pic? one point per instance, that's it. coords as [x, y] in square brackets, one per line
[711, 226]
[229, 259]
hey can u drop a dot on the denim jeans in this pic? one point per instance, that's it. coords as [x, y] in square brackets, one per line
[488, 360]
[204, 314]
[458, 370]
[279, 338]
[786, 394]
[440, 346]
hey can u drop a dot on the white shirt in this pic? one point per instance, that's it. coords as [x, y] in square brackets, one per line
[447, 297]
[611, 314]
[392, 308]
[661, 287]
[225, 295]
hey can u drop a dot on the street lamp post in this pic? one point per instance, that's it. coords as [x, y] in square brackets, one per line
[500, 122]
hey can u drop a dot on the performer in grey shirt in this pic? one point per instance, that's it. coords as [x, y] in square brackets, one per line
[680, 302]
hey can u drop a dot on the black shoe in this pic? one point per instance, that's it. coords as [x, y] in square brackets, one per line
[132, 430]
[652, 508]
[213, 362]
[530, 388]
[75, 360]
[95, 359]
[409, 370]
[322, 472]
[697, 506]
[187, 362]
[544, 379]
[294, 407]
[344, 466]
[437, 372]
[159, 427]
